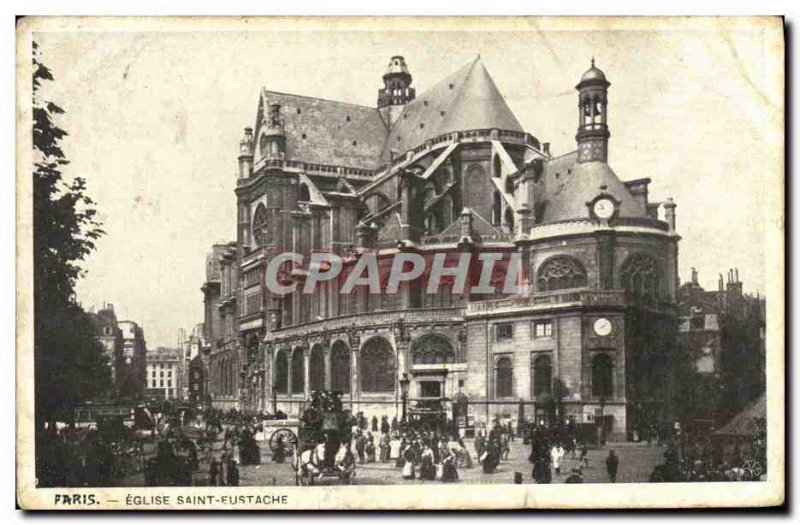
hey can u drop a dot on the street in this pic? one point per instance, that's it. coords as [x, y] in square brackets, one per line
[636, 464]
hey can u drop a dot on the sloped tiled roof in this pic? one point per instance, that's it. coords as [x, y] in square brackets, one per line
[467, 99]
[569, 185]
[742, 423]
[329, 132]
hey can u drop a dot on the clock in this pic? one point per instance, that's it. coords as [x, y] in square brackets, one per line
[602, 327]
[603, 208]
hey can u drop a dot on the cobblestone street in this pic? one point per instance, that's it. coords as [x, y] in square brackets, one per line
[636, 464]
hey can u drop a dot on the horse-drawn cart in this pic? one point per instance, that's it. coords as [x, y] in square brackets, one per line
[323, 441]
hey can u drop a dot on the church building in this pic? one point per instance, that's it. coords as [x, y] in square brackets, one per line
[447, 169]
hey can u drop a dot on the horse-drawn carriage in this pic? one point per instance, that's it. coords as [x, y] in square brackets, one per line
[322, 447]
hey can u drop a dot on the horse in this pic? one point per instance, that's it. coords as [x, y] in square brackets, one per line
[309, 464]
[345, 463]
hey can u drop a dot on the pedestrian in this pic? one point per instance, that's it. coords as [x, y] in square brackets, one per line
[612, 463]
[491, 457]
[279, 456]
[427, 470]
[213, 472]
[479, 444]
[361, 443]
[556, 455]
[506, 448]
[408, 463]
[584, 456]
[369, 448]
[397, 446]
[449, 472]
[575, 477]
[383, 448]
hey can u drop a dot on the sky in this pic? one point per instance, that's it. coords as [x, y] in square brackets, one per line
[154, 118]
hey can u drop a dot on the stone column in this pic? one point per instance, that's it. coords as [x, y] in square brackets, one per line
[326, 349]
[306, 370]
[354, 338]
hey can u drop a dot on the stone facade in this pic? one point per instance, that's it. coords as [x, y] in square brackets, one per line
[449, 170]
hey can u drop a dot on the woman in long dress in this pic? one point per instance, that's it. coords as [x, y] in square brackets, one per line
[449, 472]
[427, 470]
[408, 463]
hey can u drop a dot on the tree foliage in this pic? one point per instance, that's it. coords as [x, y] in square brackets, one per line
[69, 364]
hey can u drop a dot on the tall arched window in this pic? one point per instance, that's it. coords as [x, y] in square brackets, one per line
[298, 371]
[561, 272]
[433, 349]
[261, 232]
[496, 165]
[316, 369]
[340, 367]
[503, 377]
[378, 367]
[641, 276]
[497, 208]
[602, 376]
[542, 375]
[282, 372]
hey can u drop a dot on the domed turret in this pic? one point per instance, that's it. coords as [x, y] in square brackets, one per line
[593, 74]
[593, 134]
[396, 91]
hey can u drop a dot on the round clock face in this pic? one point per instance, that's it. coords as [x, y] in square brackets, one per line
[604, 208]
[602, 327]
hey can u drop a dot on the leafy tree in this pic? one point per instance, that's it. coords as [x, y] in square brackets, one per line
[70, 366]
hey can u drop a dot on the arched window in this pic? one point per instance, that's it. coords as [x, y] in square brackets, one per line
[496, 165]
[503, 377]
[378, 368]
[304, 195]
[298, 371]
[497, 208]
[510, 186]
[542, 375]
[641, 276]
[432, 350]
[340, 367]
[316, 369]
[282, 372]
[602, 376]
[561, 272]
[261, 232]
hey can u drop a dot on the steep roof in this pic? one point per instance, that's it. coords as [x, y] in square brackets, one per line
[569, 185]
[467, 99]
[329, 132]
[742, 423]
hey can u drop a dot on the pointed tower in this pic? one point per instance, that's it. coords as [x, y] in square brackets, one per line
[396, 92]
[593, 131]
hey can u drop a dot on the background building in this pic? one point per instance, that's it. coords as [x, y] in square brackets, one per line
[108, 333]
[164, 373]
[132, 362]
[450, 170]
[722, 339]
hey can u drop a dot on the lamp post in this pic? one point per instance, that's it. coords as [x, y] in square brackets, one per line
[274, 399]
[404, 395]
